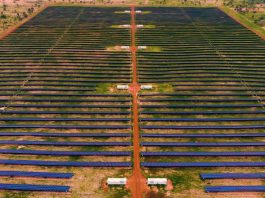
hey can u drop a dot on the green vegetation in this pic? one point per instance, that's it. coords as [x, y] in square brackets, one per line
[118, 192]
[103, 88]
[149, 26]
[182, 181]
[16, 195]
[244, 19]
[248, 12]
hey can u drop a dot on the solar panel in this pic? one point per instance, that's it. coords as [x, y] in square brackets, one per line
[36, 174]
[197, 100]
[66, 153]
[216, 89]
[215, 135]
[201, 154]
[31, 187]
[203, 106]
[68, 119]
[66, 95]
[69, 100]
[50, 84]
[47, 89]
[65, 106]
[210, 189]
[216, 85]
[204, 127]
[204, 176]
[201, 112]
[113, 127]
[199, 119]
[202, 144]
[203, 164]
[64, 163]
[206, 94]
[48, 143]
[44, 134]
[67, 112]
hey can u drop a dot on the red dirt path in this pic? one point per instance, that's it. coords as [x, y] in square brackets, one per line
[137, 182]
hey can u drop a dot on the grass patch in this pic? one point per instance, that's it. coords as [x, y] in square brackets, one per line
[152, 49]
[149, 26]
[165, 88]
[103, 88]
[91, 148]
[74, 158]
[182, 181]
[118, 192]
[16, 194]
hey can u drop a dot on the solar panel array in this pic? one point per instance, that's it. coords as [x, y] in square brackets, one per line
[232, 176]
[52, 66]
[31, 187]
[36, 174]
[235, 188]
[58, 108]
[206, 110]
[241, 188]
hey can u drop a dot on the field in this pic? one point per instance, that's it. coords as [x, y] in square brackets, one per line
[61, 110]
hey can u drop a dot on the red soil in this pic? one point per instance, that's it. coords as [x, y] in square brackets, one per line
[169, 186]
[104, 185]
[137, 182]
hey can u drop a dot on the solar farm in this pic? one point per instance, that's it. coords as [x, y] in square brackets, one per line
[66, 128]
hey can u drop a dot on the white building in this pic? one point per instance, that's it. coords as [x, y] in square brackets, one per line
[123, 87]
[148, 87]
[116, 181]
[157, 181]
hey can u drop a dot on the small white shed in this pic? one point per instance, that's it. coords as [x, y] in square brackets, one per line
[142, 47]
[126, 26]
[147, 87]
[157, 181]
[116, 181]
[125, 47]
[122, 87]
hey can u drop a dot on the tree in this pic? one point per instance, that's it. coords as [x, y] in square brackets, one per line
[25, 15]
[3, 16]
